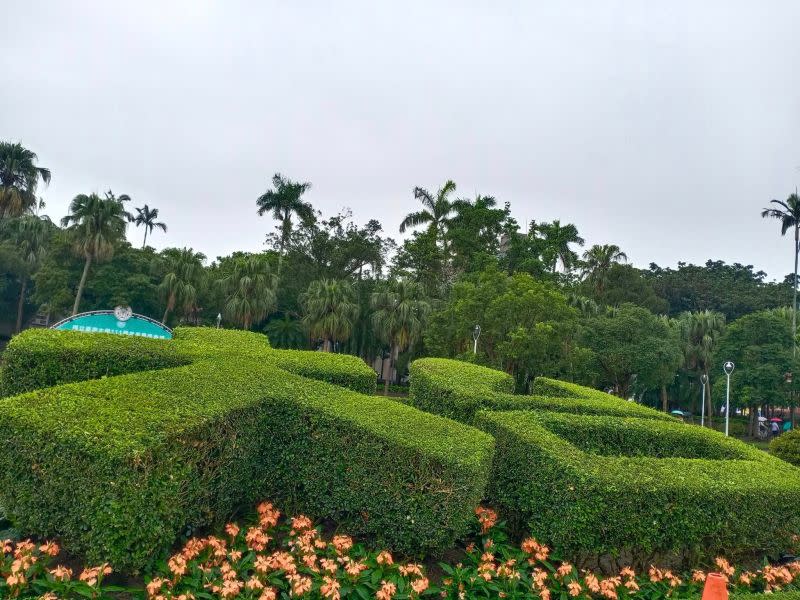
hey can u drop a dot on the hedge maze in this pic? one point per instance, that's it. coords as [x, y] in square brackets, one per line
[595, 475]
[119, 446]
[174, 435]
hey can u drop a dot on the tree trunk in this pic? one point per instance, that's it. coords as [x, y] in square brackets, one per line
[144, 243]
[664, 398]
[21, 303]
[82, 284]
[709, 405]
[794, 295]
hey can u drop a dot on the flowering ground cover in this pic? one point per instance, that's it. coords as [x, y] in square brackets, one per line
[274, 557]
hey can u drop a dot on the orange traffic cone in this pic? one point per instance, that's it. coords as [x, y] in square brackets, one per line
[716, 587]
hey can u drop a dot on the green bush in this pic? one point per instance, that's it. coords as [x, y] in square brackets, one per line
[605, 485]
[48, 357]
[120, 467]
[787, 447]
[768, 596]
[458, 390]
[339, 369]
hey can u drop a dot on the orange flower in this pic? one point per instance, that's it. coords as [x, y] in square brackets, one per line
[256, 539]
[564, 569]
[61, 573]
[420, 585]
[330, 588]
[724, 566]
[50, 549]
[14, 580]
[486, 517]
[254, 584]
[387, 591]
[698, 576]
[384, 558]
[592, 583]
[153, 587]
[574, 588]
[268, 593]
[301, 523]
[411, 569]
[232, 529]
[627, 572]
[7, 546]
[342, 543]
[177, 564]
[300, 585]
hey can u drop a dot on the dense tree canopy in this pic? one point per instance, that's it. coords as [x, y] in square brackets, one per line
[547, 303]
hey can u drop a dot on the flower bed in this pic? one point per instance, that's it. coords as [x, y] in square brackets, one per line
[272, 557]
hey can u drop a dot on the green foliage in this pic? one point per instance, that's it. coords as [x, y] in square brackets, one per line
[734, 290]
[631, 345]
[119, 467]
[527, 327]
[760, 345]
[339, 369]
[330, 311]
[787, 447]
[639, 486]
[19, 178]
[459, 390]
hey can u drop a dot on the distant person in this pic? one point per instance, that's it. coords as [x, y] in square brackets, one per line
[776, 429]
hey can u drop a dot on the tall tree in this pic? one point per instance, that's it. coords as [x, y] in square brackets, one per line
[284, 201]
[597, 264]
[19, 178]
[473, 233]
[330, 311]
[558, 240]
[184, 275]
[400, 312]
[285, 332]
[249, 290]
[29, 235]
[147, 216]
[96, 225]
[436, 210]
[788, 213]
[699, 333]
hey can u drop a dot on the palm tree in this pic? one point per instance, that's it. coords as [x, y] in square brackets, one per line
[249, 290]
[285, 332]
[699, 334]
[557, 241]
[788, 213]
[436, 211]
[400, 314]
[330, 311]
[147, 216]
[184, 275]
[19, 177]
[597, 264]
[30, 235]
[284, 201]
[96, 225]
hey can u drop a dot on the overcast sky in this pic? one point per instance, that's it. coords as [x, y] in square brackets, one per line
[663, 128]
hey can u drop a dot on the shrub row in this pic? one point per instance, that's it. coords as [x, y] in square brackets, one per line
[48, 357]
[339, 369]
[119, 467]
[787, 447]
[459, 390]
[597, 485]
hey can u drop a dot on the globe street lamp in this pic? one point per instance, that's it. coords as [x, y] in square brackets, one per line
[728, 368]
[703, 381]
[476, 333]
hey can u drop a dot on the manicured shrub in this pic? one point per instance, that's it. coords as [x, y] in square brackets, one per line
[608, 485]
[119, 467]
[45, 357]
[339, 369]
[787, 447]
[458, 390]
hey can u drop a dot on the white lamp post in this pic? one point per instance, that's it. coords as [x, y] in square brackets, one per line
[728, 368]
[476, 333]
[219, 319]
[703, 380]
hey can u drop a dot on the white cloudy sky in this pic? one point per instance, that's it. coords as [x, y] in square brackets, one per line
[663, 127]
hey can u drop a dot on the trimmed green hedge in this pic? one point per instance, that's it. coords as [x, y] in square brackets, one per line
[602, 485]
[119, 467]
[49, 357]
[458, 390]
[339, 369]
[787, 447]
